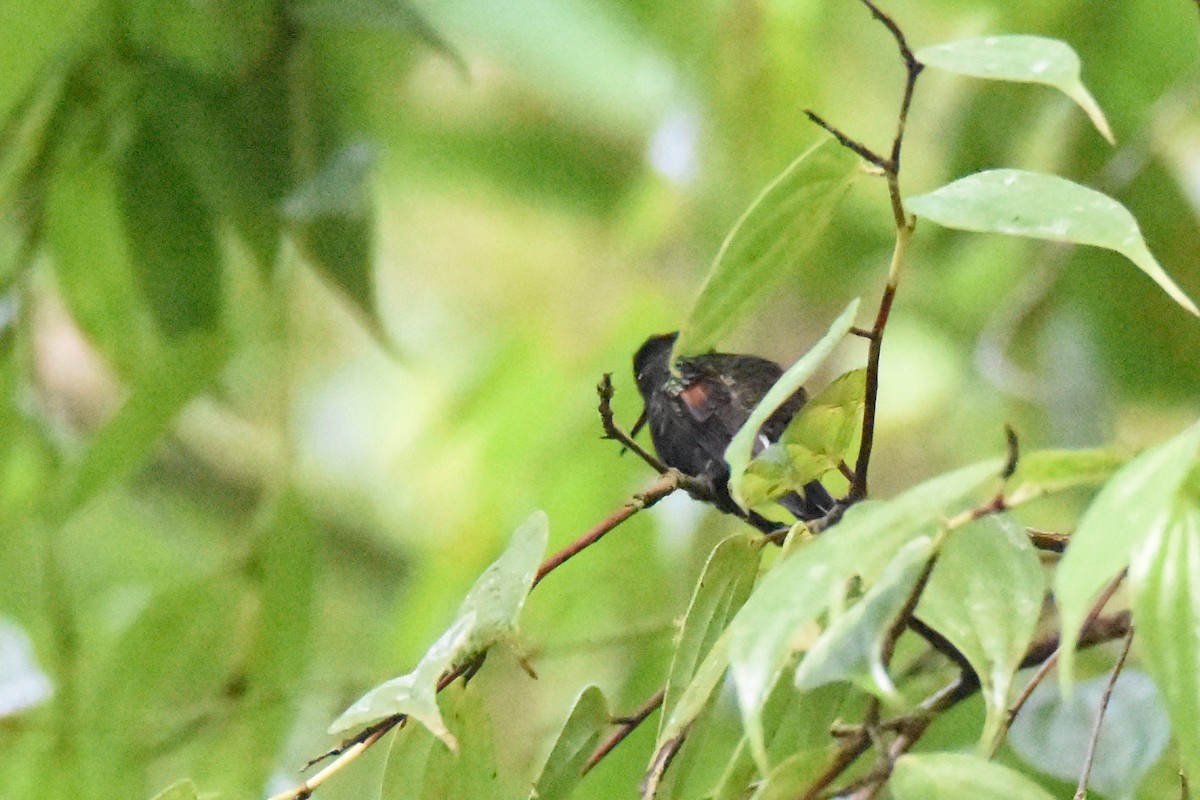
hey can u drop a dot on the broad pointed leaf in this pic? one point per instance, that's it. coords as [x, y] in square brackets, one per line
[985, 596]
[1021, 203]
[1024, 59]
[563, 769]
[851, 648]
[815, 442]
[802, 586]
[1165, 579]
[773, 237]
[1138, 503]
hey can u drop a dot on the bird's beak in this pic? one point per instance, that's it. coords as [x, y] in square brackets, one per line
[637, 426]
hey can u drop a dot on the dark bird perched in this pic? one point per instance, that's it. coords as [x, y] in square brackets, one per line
[694, 415]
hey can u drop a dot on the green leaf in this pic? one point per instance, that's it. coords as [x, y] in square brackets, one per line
[180, 790]
[93, 265]
[985, 596]
[724, 586]
[953, 776]
[815, 442]
[1021, 203]
[177, 656]
[416, 770]
[851, 647]
[236, 148]
[742, 445]
[802, 586]
[1051, 471]
[792, 777]
[1053, 732]
[387, 15]
[1137, 504]
[497, 597]
[488, 615]
[773, 237]
[1165, 582]
[218, 37]
[171, 237]
[156, 397]
[563, 769]
[1023, 59]
[414, 694]
[796, 727]
[31, 38]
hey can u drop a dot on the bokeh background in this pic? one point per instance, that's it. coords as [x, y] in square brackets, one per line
[305, 303]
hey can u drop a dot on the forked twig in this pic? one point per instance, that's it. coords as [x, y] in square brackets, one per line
[1081, 788]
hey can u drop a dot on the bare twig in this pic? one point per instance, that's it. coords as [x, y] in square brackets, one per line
[890, 166]
[1050, 650]
[613, 431]
[661, 488]
[856, 739]
[625, 726]
[1081, 788]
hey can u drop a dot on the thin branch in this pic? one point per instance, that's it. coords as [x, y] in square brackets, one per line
[355, 747]
[626, 726]
[613, 431]
[864, 152]
[661, 488]
[1050, 649]
[1081, 788]
[856, 739]
[858, 489]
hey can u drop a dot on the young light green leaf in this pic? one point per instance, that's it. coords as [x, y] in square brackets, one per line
[1052, 471]
[985, 596]
[1165, 579]
[773, 237]
[1023, 59]
[488, 614]
[1021, 203]
[815, 442]
[954, 776]
[180, 790]
[851, 648]
[1053, 731]
[723, 587]
[1135, 505]
[801, 587]
[419, 770]
[497, 597]
[563, 769]
[414, 694]
[742, 445]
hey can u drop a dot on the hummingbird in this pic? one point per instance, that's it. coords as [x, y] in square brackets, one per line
[695, 413]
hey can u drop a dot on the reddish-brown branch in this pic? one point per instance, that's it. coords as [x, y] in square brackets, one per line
[625, 726]
[858, 489]
[661, 488]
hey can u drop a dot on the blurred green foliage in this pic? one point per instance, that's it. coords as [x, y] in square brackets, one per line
[304, 304]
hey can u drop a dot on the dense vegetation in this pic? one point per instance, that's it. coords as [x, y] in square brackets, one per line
[304, 308]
